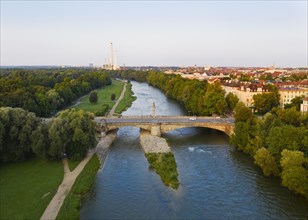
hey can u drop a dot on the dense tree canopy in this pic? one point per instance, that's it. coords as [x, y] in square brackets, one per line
[294, 174]
[45, 91]
[266, 161]
[242, 113]
[72, 133]
[16, 129]
[278, 143]
[23, 135]
[263, 103]
[231, 100]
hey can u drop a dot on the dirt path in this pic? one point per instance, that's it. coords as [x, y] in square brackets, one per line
[118, 101]
[55, 204]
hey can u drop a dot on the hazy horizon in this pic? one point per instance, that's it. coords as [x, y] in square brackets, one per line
[219, 34]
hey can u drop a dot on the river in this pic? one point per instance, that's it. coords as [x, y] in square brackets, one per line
[217, 182]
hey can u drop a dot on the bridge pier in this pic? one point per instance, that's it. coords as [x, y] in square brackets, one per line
[156, 130]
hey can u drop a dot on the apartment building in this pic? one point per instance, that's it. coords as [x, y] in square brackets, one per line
[289, 93]
[245, 93]
[304, 105]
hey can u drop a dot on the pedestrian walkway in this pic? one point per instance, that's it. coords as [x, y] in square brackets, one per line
[55, 204]
[118, 101]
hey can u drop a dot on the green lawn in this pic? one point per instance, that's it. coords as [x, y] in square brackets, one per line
[27, 188]
[72, 164]
[104, 97]
[127, 100]
[82, 185]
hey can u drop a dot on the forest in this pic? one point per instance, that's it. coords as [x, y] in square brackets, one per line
[24, 136]
[278, 142]
[46, 91]
[28, 95]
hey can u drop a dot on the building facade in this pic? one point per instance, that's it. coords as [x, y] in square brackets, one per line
[289, 93]
[304, 105]
[245, 93]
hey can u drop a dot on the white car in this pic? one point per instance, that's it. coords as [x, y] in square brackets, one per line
[192, 118]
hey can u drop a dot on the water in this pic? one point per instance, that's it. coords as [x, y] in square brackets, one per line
[217, 182]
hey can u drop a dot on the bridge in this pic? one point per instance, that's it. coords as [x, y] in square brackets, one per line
[161, 124]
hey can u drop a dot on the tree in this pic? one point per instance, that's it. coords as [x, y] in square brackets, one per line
[221, 107]
[241, 112]
[103, 111]
[40, 141]
[241, 136]
[231, 100]
[72, 133]
[290, 116]
[294, 175]
[286, 137]
[16, 127]
[266, 161]
[93, 97]
[45, 91]
[113, 96]
[214, 101]
[263, 103]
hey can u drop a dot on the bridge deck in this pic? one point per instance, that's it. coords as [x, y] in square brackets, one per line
[165, 119]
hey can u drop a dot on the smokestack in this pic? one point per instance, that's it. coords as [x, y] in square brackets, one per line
[116, 59]
[111, 56]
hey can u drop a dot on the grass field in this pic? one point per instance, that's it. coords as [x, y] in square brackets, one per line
[27, 188]
[72, 164]
[82, 185]
[104, 97]
[127, 100]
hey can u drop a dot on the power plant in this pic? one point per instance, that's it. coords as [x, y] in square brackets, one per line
[113, 60]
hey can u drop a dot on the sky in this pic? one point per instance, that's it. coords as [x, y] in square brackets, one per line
[157, 33]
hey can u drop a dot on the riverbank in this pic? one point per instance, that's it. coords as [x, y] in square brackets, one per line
[104, 97]
[55, 204]
[70, 177]
[124, 99]
[127, 100]
[118, 101]
[83, 184]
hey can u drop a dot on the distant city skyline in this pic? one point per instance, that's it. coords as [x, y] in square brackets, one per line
[155, 33]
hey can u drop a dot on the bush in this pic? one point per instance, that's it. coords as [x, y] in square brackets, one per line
[113, 97]
[103, 111]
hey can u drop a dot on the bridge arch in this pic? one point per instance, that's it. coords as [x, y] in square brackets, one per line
[141, 126]
[227, 129]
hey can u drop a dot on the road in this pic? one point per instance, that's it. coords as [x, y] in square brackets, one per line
[165, 119]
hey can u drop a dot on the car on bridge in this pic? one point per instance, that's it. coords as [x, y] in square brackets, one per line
[193, 118]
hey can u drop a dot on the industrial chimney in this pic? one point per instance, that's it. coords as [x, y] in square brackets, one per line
[111, 56]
